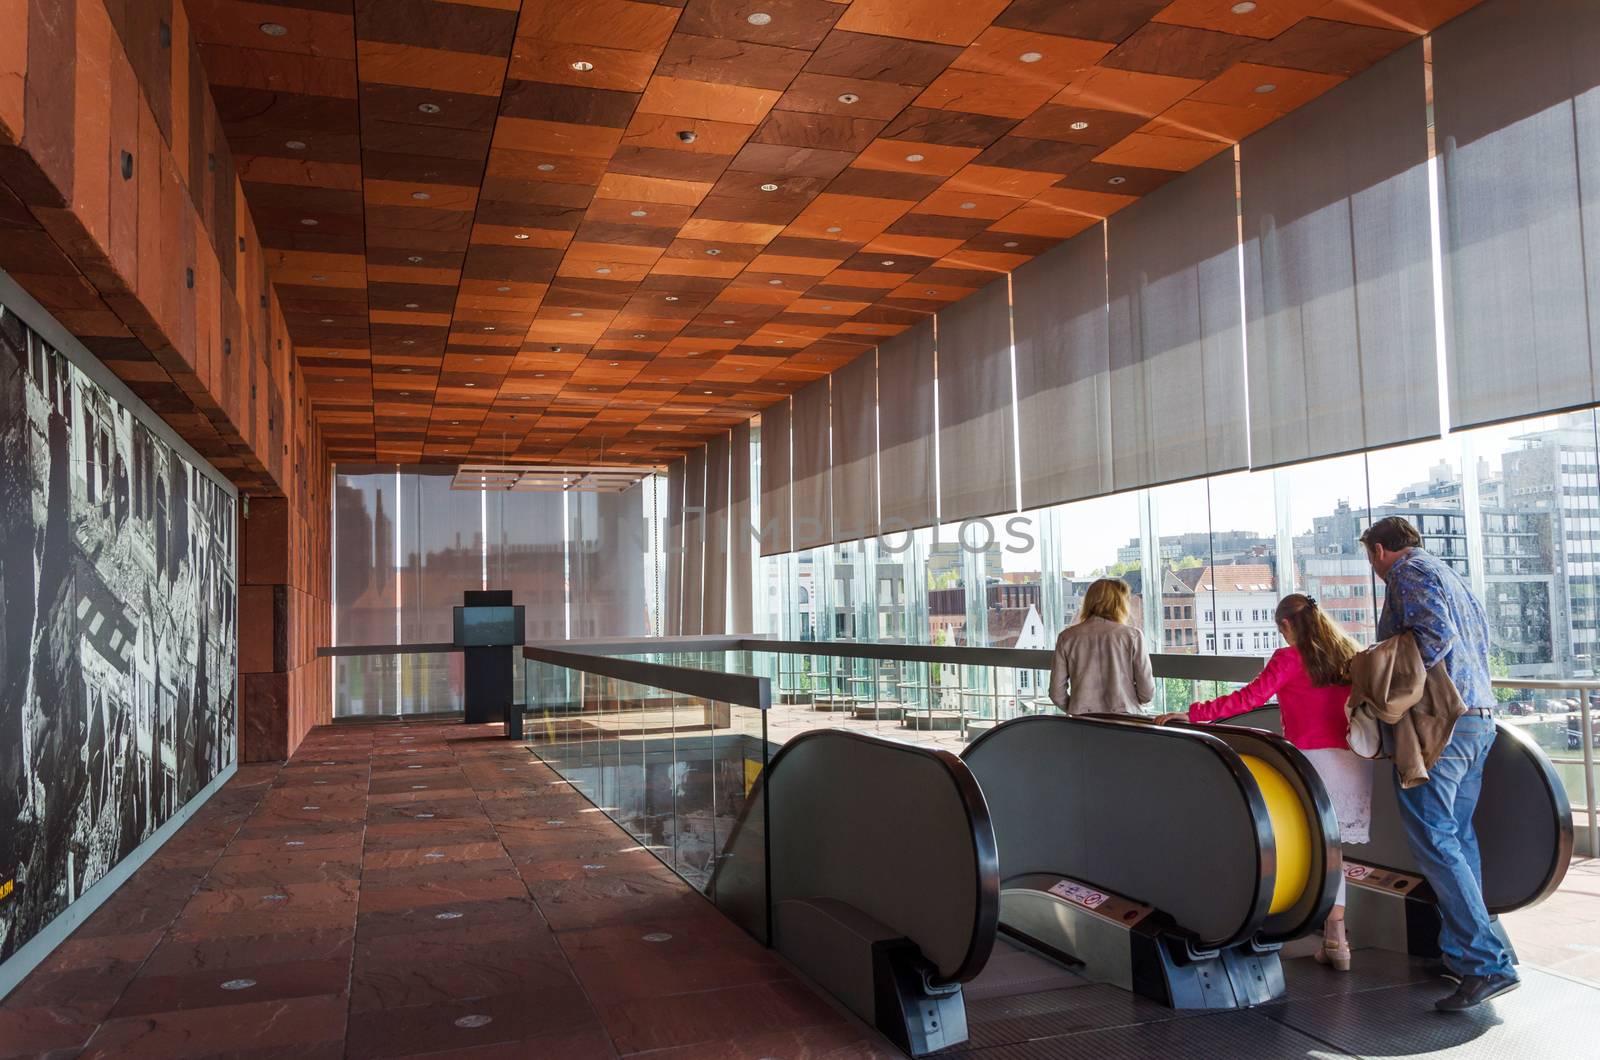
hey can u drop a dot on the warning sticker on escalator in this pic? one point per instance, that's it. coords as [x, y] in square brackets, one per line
[1078, 894]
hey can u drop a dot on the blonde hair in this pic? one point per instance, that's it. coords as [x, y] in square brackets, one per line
[1325, 649]
[1107, 598]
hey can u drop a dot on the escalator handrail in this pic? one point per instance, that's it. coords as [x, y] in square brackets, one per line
[1237, 770]
[986, 857]
[1561, 854]
[1322, 807]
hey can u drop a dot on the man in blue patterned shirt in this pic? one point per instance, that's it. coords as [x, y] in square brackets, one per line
[1428, 599]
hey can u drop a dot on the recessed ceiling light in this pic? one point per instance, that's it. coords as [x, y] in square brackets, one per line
[405, 393]
[1243, 8]
[638, 334]
[775, 283]
[538, 375]
[1262, 90]
[927, 290]
[524, 397]
[769, 187]
[827, 307]
[477, 360]
[780, 342]
[411, 305]
[583, 66]
[713, 251]
[708, 391]
[614, 363]
[472, 384]
[319, 278]
[1008, 244]
[338, 380]
[834, 228]
[849, 97]
[638, 213]
[309, 222]
[1080, 125]
[415, 259]
[1117, 180]
[272, 29]
[728, 321]
[488, 327]
[521, 235]
[455, 423]
[407, 342]
[603, 271]
[502, 288]
[421, 196]
[574, 314]
[758, 18]
[428, 108]
[327, 320]
[1031, 57]
[671, 298]
[545, 167]
[886, 261]
[295, 145]
[969, 206]
[591, 388]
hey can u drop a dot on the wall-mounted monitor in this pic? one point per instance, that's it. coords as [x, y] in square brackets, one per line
[478, 627]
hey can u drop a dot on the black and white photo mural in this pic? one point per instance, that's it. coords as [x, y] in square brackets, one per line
[118, 663]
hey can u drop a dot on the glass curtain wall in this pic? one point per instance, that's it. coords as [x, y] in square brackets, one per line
[407, 545]
[1514, 507]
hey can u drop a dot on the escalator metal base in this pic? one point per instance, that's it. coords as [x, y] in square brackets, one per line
[1383, 1007]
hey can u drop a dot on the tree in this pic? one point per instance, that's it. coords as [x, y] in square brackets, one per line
[1498, 667]
[1188, 562]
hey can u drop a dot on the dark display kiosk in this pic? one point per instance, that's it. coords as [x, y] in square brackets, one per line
[488, 626]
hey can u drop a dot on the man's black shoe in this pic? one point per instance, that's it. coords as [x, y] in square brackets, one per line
[1475, 990]
[1436, 967]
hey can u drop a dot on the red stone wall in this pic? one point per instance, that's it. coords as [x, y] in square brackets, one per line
[121, 212]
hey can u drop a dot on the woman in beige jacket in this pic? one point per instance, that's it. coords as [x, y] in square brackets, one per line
[1102, 658]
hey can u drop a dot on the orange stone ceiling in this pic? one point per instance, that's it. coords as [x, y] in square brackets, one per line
[579, 231]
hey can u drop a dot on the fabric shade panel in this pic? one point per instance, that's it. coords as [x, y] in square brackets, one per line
[605, 558]
[906, 486]
[977, 444]
[1517, 129]
[672, 547]
[1177, 356]
[1058, 306]
[741, 573]
[812, 492]
[694, 540]
[366, 585]
[1338, 270]
[714, 612]
[526, 553]
[441, 544]
[855, 449]
[776, 537]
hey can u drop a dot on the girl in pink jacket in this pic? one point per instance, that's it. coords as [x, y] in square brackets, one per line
[1310, 678]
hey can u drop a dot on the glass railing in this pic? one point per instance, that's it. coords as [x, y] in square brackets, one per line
[396, 684]
[670, 753]
[946, 696]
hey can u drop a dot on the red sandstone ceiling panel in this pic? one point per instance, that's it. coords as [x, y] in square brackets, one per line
[571, 232]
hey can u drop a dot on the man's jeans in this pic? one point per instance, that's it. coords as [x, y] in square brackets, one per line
[1437, 817]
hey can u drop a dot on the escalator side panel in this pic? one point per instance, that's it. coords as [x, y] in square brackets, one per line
[1165, 818]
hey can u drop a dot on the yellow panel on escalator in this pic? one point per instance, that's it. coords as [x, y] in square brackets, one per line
[1290, 831]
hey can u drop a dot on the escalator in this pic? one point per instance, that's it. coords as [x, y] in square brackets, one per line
[1062, 870]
